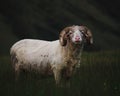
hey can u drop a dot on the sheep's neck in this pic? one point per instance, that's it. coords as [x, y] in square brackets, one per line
[73, 51]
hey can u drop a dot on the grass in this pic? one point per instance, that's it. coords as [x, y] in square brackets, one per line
[99, 75]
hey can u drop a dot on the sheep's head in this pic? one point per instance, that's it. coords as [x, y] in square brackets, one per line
[76, 35]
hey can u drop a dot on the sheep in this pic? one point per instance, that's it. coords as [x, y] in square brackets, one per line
[59, 58]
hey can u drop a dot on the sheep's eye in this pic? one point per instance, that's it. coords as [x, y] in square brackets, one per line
[70, 32]
[82, 31]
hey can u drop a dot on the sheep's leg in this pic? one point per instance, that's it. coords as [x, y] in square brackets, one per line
[17, 71]
[67, 83]
[59, 80]
[66, 80]
[57, 76]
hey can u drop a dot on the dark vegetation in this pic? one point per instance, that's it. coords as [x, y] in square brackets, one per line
[99, 74]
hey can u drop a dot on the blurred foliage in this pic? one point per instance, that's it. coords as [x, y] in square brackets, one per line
[44, 19]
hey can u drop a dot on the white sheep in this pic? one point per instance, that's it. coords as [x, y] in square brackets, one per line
[58, 58]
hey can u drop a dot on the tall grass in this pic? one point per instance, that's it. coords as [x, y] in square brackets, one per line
[99, 75]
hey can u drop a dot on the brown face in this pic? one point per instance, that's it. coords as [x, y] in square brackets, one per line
[75, 34]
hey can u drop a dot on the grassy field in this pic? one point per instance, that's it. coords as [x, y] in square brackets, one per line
[99, 75]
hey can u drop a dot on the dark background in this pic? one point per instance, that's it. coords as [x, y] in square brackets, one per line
[44, 19]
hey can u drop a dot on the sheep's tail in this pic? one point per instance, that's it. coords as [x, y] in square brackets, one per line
[13, 58]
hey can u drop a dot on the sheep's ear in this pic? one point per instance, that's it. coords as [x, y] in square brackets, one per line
[63, 36]
[88, 35]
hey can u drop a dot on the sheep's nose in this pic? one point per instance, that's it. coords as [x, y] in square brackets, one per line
[77, 38]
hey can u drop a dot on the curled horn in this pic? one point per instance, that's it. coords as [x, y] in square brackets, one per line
[88, 34]
[63, 36]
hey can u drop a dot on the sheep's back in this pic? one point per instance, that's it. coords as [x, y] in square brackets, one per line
[38, 52]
